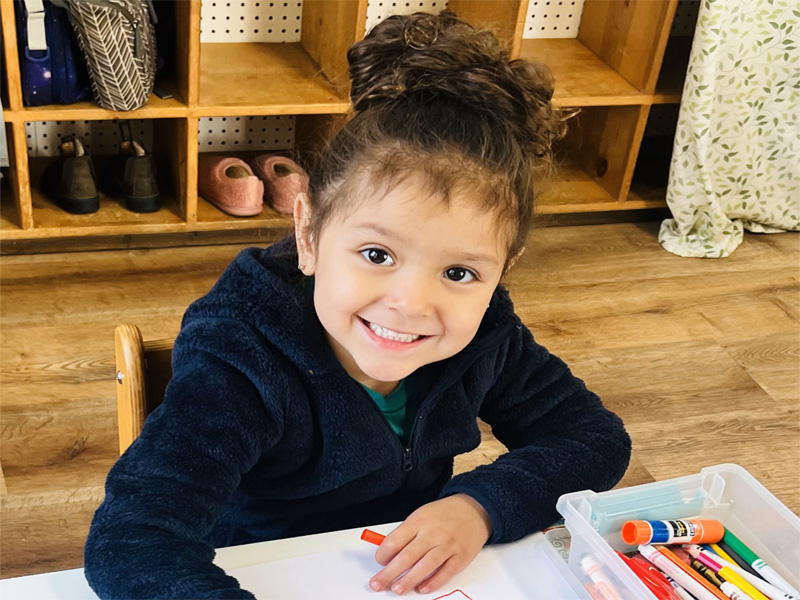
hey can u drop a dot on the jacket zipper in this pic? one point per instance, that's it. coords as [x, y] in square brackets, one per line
[407, 463]
[407, 452]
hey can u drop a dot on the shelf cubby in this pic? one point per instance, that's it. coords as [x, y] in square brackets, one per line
[582, 78]
[593, 165]
[613, 72]
[308, 76]
[263, 79]
[51, 220]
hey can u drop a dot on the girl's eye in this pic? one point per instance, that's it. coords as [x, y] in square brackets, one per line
[377, 256]
[459, 274]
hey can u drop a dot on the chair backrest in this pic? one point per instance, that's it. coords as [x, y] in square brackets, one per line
[143, 371]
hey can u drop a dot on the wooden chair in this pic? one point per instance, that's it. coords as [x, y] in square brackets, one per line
[143, 371]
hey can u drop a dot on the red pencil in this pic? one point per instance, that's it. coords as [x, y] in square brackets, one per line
[652, 578]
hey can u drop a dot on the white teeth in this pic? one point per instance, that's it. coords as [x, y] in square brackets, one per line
[388, 334]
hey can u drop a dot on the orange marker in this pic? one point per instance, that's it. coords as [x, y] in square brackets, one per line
[691, 572]
[373, 537]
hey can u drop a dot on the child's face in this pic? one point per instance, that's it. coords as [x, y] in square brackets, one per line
[404, 281]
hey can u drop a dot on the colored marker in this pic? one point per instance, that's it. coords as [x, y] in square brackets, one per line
[720, 552]
[657, 584]
[685, 531]
[736, 558]
[761, 567]
[680, 574]
[730, 590]
[594, 569]
[706, 572]
[679, 590]
[729, 574]
[762, 586]
[373, 537]
[733, 592]
[672, 557]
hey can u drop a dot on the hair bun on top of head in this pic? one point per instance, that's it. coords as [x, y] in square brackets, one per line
[426, 56]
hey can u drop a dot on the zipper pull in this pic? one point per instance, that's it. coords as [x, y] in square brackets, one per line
[407, 466]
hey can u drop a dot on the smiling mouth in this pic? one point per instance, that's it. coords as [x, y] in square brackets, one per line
[393, 336]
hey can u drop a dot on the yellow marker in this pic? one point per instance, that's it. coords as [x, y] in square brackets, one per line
[729, 574]
[722, 553]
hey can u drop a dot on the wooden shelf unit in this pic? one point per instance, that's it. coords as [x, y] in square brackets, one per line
[611, 72]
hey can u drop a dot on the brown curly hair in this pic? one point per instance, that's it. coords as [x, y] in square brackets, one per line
[436, 97]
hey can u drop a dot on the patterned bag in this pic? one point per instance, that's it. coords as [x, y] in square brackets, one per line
[117, 38]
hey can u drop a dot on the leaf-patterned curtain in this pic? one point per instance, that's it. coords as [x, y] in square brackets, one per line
[736, 158]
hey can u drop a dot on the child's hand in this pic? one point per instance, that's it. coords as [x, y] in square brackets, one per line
[445, 535]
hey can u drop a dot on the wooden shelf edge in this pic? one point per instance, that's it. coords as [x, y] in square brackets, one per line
[667, 97]
[76, 231]
[88, 111]
[231, 110]
[552, 209]
[99, 114]
[586, 101]
[122, 241]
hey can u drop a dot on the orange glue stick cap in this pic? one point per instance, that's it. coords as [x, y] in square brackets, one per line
[633, 531]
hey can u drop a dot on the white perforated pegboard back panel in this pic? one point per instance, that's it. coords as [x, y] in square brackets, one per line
[97, 137]
[378, 10]
[251, 21]
[553, 19]
[226, 134]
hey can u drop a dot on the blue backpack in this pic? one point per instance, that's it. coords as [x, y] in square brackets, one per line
[51, 64]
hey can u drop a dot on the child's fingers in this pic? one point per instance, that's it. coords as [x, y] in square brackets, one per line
[422, 570]
[399, 564]
[394, 543]
[448, 570]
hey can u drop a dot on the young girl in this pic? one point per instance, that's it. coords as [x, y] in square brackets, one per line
[327, 382]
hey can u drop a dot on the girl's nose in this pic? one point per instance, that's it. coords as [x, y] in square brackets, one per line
[413, 296]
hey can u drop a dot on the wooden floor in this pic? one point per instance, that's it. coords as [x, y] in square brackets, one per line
[700, 358]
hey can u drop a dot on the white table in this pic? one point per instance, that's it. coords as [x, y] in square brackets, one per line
[526, 564]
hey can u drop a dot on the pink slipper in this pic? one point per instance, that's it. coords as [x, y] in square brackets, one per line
[229, 183]
[283, 179]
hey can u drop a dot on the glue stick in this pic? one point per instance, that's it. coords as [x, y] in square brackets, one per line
[686, 531]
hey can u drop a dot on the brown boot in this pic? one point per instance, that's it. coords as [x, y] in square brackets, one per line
[71, 181]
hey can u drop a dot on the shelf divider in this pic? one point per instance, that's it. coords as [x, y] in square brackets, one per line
[20, 175]
[329, 29]
[629, 37]
[187, 50]
[13, 81]
[505, 17]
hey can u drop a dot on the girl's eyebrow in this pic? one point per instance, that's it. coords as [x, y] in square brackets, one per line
[380, 230]
[466, 257]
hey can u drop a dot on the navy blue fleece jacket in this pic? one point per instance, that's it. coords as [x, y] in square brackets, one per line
[263, 435]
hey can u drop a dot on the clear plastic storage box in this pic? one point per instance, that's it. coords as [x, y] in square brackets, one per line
[724, 492]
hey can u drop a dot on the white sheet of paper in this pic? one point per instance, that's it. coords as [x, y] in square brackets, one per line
[508, 572]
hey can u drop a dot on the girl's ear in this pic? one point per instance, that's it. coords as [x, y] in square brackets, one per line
[306, 249]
